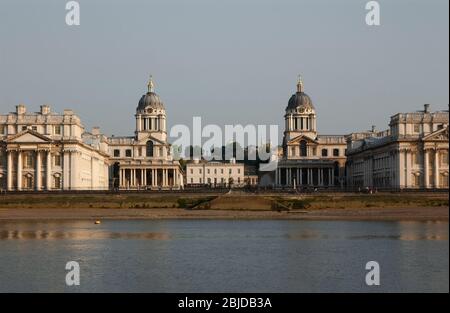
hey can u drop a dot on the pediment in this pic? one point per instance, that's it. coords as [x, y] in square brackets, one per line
[439, 135]
[299, 138]
[150, 137]
[28, 136]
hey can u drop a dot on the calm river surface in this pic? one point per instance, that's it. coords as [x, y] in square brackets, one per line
[224, 256]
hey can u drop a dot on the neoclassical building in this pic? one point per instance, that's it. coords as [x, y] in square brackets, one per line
[215, 174]
[412, 153]
[144, 161]
[308, 159]
[50, 151]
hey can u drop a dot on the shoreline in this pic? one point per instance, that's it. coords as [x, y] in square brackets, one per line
[235, 205]
[438, 214]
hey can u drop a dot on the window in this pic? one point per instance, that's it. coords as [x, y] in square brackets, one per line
[303, 150]
[416, 158]
[116, 153]
[34, 128]
[239, 170]
[192, 171]
[2, 129]
[29, 160]
[192, 180]
[443, 180]
[24, 128]
[58, 130]
[444, 158]
[416, 180]
[209, 171]
[230, 171]
[29, 182]
[57, 160]
[161, 151]
[199, 170]
[324, 152]
[335, 152]
[57, 182]
[200, 180]
[128, 153]
[293, 151]
[417, 128]
[221, 171]
[150, 149]
[215, 171]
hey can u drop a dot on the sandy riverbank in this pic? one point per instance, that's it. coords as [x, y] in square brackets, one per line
[376, 214]
[237, 205]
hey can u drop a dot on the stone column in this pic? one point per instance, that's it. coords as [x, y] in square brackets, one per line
[300, 178]
[408, 182]
[426, 170]
[436, 168]
[9, 171]
[155, 177]
[19, 170]
[48, 168]
[402, 167]
[38, 170]
[73, 170]
[332, 177]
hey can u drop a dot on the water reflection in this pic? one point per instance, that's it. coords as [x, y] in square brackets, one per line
[78, 235]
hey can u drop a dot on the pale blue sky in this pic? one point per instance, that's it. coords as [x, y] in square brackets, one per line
[227, 61]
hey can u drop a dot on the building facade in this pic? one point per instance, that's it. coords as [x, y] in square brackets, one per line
[411, 154]
[49, 151]
[144, 161]
[308, 159]
[215, 174]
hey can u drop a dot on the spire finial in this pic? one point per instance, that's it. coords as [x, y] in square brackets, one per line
[151, 85]
[300, 83]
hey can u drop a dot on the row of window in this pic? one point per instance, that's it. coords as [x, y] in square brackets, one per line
[210, 181]
[149, 151]
[222, 171]
[57, 129]
[304, 150]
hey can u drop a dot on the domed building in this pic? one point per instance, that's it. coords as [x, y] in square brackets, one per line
[144, 161]
[308, 159]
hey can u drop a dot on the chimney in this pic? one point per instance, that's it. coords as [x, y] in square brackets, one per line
[45, 109]
[21, 109]
[426, 108]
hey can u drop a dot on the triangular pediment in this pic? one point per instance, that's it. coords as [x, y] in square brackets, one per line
[299, 138]
[150, 137]
[28, 136]
[439, 135]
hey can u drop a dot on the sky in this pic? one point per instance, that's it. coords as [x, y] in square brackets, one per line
[230, 62]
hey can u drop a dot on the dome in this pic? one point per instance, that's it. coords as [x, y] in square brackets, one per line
[300, 99]
[150, 99]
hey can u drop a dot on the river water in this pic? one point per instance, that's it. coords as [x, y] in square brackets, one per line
[224, 256]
